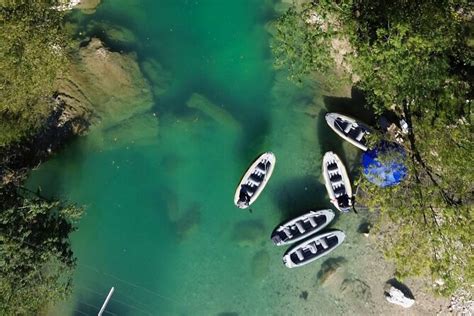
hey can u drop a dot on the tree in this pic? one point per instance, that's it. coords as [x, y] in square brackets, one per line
[36, 261]
[33, 46]
[413, 59]
[300, 44]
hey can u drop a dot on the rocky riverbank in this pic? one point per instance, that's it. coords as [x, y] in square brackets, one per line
[102, 90]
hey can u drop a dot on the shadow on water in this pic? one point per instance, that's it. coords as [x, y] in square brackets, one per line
[252, 141]
[355, 106]
[53, 181]
[299, 195]
[328, 139]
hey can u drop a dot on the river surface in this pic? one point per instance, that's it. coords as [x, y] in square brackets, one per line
[160, 225]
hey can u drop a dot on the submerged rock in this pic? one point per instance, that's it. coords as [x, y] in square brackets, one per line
[217, 113]
[329, 269]
[189, 222]
[304, 295]
[112, 34]
[260, 264]
[396, 296]
[87, 6]
[139, 130]
[248, 232]
[356, 289]
[172, 205]
[159, 78]
[104, 87]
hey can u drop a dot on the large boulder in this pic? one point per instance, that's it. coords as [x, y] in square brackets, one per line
[248, 233]
[113, 35]
[87, 6]
[159, 78]
[396, 296]
[329, 269]
[104, 87]
[138, 130]
[214, 111]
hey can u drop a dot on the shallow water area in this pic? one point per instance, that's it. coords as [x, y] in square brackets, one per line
[160, 224]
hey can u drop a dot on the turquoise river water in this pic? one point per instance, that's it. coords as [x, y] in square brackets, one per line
[160, 225]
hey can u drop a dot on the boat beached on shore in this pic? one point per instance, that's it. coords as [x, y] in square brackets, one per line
[254, 180]
[301, 227]
[337, 182]
[313, 248]
[349, 129]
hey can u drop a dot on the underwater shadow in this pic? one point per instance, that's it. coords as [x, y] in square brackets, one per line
[355, 106]
[300, 195]
[251, 143]
[329, 266]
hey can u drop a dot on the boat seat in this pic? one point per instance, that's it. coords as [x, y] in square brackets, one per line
[332, 166]
[339, 190]
[259, 173]
[252, 182]
[312, 247]
[360, 135]
[323, 243]
[300, 227]
[335, 177]
[340, 124]
[299, 253]
[261, 167]
[248, 190]
[348, 128]
[312, 221]
[255, 177]
[287, 232]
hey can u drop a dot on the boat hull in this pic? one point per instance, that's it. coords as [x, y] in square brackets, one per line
[269, 160]
[331, 240]
[311, 223]
[332, 120]
[329, 159]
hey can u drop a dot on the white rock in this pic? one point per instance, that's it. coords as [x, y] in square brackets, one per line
[67, 5]
[395, 296]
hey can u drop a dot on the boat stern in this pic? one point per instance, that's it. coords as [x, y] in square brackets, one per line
[287, 261]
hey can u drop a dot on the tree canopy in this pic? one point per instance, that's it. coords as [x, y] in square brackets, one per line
[413, 59]
[33, 47]
[36, 262]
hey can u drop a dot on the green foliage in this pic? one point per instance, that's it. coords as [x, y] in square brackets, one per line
[36, 261]
[412, 57]
[33, 48]
[406, 51]
[300, 46]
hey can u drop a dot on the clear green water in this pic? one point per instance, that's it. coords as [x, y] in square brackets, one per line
[160, 225]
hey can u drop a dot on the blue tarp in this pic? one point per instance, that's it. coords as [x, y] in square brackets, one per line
[384, 165]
